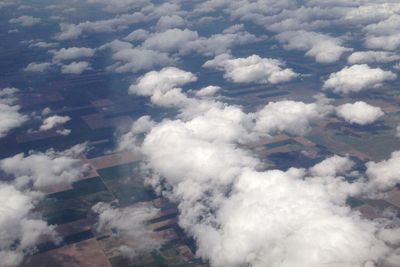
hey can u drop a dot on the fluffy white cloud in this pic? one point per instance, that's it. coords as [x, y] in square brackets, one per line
[359, 113]
[279, 219]
[129, 223]
[383, 34]
[289, 116]
[169, 22]
[72, 53]
[133, 59]
[10, 117]
[208, 91]
[357, 78]
[252, 69]
[75, 67]
[385, 174]
[161, 81]
[332, 166]
[164, 48]
[20, 229]
[25, 21]
[387, 42]
[38, 67]
[142, 125]
[324, 48]
[187, 41]
[372, 57]
[238, 214]
[45, 169]
[53, 121]
[170, 40]
[137, 35]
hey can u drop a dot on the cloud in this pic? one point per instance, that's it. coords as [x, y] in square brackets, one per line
[208, 91]
[187, 41]
[130, 59]
[72, 53]
[10, 118]
[252, 69]
[359, 113]
[170, 22]
[332, 166]
[129, 223]
[25, 21]
[43, 45]
[387, 42]
[120, 22]
[75, 67]
[238, 213]
[324, 48]
[37, 67]
[44, 169]
[129, 140]
[53, 121]
[170, 40]
[385, 174]
[161, 81]
[289, 116]
[164, 48]
[137, 35]
[357, 78]
[73, 31]
[383, 34]
[372, 57]
[20, 228]
[120, 6]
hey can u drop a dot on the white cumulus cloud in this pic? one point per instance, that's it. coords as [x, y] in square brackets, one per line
[357, 78]
[252, 69]
[359, 113]
[10, 117]
[324, 48]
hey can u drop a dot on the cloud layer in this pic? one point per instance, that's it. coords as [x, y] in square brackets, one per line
[238, 212]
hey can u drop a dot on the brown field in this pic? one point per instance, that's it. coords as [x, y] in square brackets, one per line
[97, 121]
[369, 212]
[87, 253]
[113, 159]
[304, 141]
[28, 137]
[30, 99]
[74, 227]
[394, 197]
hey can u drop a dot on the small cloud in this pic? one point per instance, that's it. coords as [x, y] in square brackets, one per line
[75, 67]
[72, 53]
[53, 121]
[25, 21]
[37, 67]
[252, 69]
[359, 113]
